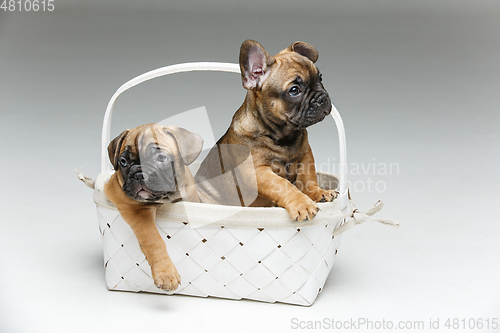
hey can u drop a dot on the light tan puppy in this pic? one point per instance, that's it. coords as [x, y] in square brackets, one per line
[150, 163]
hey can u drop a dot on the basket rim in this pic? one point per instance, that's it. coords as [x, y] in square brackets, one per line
[200, 214]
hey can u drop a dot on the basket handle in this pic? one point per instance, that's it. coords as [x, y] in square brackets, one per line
[201, 66]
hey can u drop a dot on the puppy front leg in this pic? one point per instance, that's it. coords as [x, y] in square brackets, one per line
[307, 180]
[285, 194]
[142, 222]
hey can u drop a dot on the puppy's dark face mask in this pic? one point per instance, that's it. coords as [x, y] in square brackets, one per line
[150, 175]
[151, 161]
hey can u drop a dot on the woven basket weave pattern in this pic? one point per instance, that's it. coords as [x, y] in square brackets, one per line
[285, 265]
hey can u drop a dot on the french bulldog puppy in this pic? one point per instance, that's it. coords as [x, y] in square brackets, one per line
[285, 96]
[150, 163]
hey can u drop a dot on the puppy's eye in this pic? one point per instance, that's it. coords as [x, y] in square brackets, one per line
[294, 91]
[123, 162]
[320, 77]
[162, 158]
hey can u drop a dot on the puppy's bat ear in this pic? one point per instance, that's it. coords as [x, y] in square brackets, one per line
[254, 63]
[114, 148]
[189, 143]
[305, 50]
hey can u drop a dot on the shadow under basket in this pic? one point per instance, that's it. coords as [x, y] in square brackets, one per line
[229, 252]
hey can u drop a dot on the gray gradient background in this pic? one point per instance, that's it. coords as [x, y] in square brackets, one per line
[417, 83]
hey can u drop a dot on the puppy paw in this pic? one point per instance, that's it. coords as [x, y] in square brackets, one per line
[302, 209]
[321, 195]
[166, 277]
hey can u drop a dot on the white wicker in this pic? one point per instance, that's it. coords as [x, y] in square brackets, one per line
[256, 253]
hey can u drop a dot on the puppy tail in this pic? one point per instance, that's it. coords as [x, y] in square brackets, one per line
[88, 181]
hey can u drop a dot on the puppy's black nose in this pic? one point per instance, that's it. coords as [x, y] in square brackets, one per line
[319, 101]
[139, 176]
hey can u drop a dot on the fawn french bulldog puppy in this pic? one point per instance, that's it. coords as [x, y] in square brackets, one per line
[285, 95]
[150, 163]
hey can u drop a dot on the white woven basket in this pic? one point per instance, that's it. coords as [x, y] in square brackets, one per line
[257, 253]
